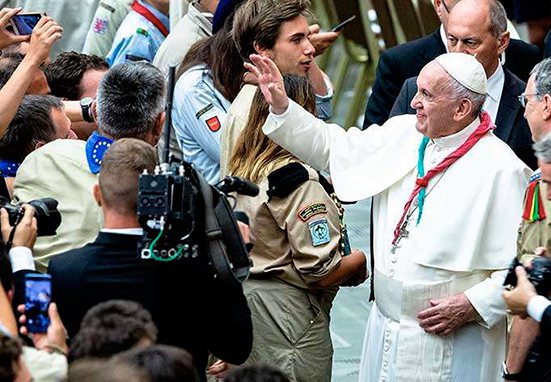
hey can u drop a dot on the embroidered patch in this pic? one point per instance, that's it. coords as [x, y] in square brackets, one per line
[204, 110]
[319, 232]
[312, 210]
[213, 124]
[100, 25]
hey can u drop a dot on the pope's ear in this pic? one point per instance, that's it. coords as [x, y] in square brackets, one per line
[463, 110]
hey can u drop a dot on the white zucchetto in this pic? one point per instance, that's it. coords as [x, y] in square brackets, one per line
[466, 70]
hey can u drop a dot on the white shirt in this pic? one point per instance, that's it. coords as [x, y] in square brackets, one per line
[495, 89]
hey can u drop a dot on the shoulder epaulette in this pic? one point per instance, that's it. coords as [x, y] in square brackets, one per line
[328, 187]
[283, 181]
[533, 206]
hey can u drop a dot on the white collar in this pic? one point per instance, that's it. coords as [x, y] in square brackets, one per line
[495, 83]
[124, 231]
[457, 139]
[444, 37]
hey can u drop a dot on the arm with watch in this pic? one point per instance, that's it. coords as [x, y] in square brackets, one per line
[82, 115]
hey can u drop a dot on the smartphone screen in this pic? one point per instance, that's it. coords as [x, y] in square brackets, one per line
[24, 23]
[38, 292]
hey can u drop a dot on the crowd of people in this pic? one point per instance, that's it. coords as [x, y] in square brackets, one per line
[454, 152]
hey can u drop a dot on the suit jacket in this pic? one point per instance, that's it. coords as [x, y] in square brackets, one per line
[404, 61]
[216, 317]
[537, 363]
[511, 126]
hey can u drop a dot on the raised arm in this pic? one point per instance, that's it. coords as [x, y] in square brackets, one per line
[44, 35]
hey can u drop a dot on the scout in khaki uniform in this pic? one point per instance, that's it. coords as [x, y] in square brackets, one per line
[300, 254]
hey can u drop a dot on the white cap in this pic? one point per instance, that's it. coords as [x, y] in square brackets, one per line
[466, 70]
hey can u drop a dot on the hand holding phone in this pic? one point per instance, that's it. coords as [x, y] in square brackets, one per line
[23, 23]
[7, 37]
[38, 293]
[340, 26]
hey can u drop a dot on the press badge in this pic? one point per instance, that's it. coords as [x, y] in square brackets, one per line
[319, 232]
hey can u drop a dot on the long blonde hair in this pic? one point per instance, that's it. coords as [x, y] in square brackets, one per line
[255, 155]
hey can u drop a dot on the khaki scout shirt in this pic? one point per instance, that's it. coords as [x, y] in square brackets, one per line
[295, 238]
[532, 235]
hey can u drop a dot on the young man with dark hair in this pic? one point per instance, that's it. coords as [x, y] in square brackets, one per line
[40, 119]
[277, 29]
[75, 75]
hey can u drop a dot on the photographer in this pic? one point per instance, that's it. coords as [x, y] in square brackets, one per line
[524, 301]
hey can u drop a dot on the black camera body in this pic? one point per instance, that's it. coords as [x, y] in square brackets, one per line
[539, 274]
[168, 211]
[47, 216]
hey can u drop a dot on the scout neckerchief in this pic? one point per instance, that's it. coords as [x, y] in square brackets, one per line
[533, 207]
[138, 8]
[96, 146]
[422, 180]
[8, 168]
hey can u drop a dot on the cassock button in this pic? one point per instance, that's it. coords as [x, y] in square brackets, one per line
[394, 259]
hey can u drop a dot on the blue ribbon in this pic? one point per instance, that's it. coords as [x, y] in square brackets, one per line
[96, 146]
[420, 174]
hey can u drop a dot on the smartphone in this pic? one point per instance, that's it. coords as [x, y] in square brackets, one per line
[38, 292]
[24, 23]
[338, 27]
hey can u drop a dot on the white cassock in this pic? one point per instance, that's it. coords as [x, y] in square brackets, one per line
[463, 243]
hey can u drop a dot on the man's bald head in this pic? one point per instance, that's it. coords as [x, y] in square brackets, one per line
[479, 28]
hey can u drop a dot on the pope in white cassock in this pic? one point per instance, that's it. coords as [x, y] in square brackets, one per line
[447, 199]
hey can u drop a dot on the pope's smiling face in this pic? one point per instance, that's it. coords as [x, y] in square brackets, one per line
[434, 102]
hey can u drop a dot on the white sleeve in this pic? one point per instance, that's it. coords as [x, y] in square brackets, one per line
[21, 259]
[537, 306]
[486, 298]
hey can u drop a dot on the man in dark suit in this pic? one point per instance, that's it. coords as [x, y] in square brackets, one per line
[215, 317]
[486, 37]
[406, 60]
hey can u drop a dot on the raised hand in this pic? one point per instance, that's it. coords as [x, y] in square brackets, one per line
[270, 82]
[321, 40]
[7, 38]
[45, 34]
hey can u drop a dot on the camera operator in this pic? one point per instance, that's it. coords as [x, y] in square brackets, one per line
[216, 316]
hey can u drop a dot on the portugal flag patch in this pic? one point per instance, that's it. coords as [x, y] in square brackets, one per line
[213, 124]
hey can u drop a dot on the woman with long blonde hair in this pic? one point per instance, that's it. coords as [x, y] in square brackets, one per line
[300, 254]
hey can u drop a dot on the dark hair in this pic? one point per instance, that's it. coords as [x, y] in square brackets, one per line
[31, 124]
[8, 64]
[120, 171]
[65, 73]
[220, 54]
[259, 21]
[93, 370]
[111, 327]
[131, 96]
[163, 363]
[256, 373]
[10, 357]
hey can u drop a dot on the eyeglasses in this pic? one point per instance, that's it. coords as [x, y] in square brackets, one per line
[445, 6]
[522, 98]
